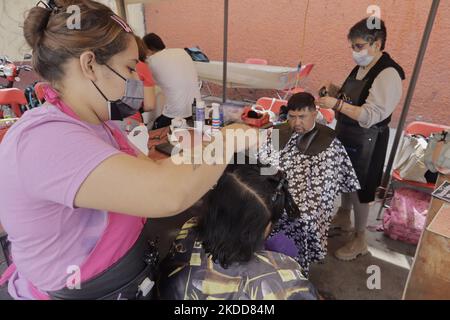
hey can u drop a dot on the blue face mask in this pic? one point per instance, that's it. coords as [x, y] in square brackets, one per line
[130, 103]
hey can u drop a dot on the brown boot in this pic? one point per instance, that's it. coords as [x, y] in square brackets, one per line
[342, 220]
[357, 246]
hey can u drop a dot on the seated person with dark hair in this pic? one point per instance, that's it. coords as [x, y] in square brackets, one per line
[318, 169]
[220, 255]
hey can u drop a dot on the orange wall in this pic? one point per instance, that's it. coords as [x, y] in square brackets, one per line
[273, 30]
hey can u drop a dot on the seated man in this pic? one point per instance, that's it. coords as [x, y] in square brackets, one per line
[220, 255]
[317, 168]
[176, 75]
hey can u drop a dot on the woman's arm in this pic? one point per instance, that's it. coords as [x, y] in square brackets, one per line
[351, 111]
[347, 109]
[146, 188]
[384, 96]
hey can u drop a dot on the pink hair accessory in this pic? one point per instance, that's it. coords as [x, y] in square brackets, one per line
[122, 23]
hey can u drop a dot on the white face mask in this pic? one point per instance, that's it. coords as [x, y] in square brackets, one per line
[362, 58]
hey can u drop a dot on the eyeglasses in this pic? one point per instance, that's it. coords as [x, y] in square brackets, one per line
[358, 46]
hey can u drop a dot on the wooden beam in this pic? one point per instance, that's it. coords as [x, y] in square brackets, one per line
[121, 9]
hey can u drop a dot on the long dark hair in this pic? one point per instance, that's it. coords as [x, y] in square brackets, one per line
[238, 211]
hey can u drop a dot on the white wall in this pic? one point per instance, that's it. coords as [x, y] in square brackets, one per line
[12, 15]
[135, 17]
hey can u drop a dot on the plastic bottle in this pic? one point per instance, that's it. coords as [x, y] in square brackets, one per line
[194, 109]
[215, 118]
[200, 115]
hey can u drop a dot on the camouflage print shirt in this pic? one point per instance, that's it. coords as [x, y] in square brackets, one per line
[188, 273]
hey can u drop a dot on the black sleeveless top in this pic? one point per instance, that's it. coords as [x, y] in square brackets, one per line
[356, 92]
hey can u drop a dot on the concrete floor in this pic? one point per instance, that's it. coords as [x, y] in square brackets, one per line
[348, 280]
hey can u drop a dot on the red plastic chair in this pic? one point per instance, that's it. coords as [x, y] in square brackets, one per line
[271, 104]
[39, 90]
[13, 97]
[424, 128]
[328, 114]
[302, 74]
[256, 61]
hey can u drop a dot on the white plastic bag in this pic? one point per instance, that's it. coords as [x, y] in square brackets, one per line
[410, 159]
[139, 138]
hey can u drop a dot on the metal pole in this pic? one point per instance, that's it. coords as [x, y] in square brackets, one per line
[412, 86]
[225, 50]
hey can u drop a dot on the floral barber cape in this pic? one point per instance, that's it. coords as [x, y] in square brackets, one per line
[314, 182]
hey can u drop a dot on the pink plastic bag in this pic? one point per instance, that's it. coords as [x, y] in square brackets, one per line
[405, 219]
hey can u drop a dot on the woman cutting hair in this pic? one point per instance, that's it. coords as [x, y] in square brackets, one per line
[364, 107]
[76, 195]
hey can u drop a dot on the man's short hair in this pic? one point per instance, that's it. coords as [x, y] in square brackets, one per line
[154, 42]
[300, 101]
[363, 29]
